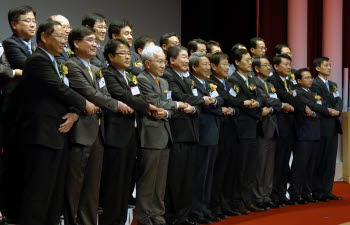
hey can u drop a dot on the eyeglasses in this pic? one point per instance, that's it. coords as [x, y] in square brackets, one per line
[67, 27]
[161, 62]
[123, 54]
[266, 65]
[58, 36]
[28, 21]
[101, 27]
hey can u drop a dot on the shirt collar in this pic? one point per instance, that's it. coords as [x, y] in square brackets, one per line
[29, 43]
[180, 75]
[243, 77]
[305, 89]
[324, 81]
[282, 78]
[122, 72]
[51, 57]
[221, 80]
[86, 64]
[261, 79]
[202, 82]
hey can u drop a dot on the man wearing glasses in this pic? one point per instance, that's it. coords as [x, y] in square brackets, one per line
[66, 52]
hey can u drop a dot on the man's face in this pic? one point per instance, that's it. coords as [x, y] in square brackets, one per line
[180, 64]
[201, 48]
[139, 50]
[171, 42]
[121, 58]
[306, 80]
[86, 48]
[25, 27]
[260, 49]
[65, 24]
[100, 29]
[265, 68]
[54, 43]
[215, 49]
[221, 70]
[126, 34]
[245, 65]
[284, 68]
[286, 51]
[157, 65]
[202, 71]
[325, 68]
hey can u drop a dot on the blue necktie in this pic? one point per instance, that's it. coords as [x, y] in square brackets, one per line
[56, 67]
[327, 84]
[224, 85]
[29, 48]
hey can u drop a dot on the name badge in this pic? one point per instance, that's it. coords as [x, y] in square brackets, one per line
[195, 92]
[168, 95]
[135, 90]
[336, 94]
[232, 92]
[66, 81]
[294, 93]
[214, 94]
[319, 102]
[295, 82]
[102, 82]
[273, 95]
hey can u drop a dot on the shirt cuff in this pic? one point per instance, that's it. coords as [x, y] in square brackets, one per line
[13, 73]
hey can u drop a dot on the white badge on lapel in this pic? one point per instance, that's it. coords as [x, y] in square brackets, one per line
[232, 92]
[319, 102]
[214, 94]
[294, 93]
[66, 81]
[102, 82]
[336, 94]
[195, 92]
[295, 82]
[273, 95]
[168, 95]
[135, 90]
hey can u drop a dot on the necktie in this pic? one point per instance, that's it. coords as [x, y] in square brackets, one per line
[90, 72]
[327, 84]
[126, 79]
[29, 48]
[224, 85]
[99, 50]
[308, 91]
[267, 90]
[285, 85]
[156, 79]
[56, 67]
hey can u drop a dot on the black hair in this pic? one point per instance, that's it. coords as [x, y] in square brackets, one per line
[174, 51]
[193, 44]
[78, 33]
[210, 44]
[257, 61]
[142, 41]
[318, 61]
[253, 42]
[278, 48]
[112, 46]
[164, 39]
[278, 59]
[47, 27]
[299, 72]
[116, 26]
[217, 57]
[91, 19]
[16, 12]
[238, 54]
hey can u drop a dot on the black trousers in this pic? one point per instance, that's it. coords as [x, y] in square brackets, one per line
[83, 183]
[303, 169]
[117, 169]
[44, 181]
[325, 167]
[247, 166]
[264, 173]
[284, 149]
[206, 157]
[181, 178]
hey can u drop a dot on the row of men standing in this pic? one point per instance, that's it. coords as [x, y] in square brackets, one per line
[185, 129]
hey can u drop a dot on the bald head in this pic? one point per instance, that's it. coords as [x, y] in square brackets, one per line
[64, 22]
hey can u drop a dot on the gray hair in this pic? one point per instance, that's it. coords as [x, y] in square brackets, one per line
[148, 52]
[194, 58]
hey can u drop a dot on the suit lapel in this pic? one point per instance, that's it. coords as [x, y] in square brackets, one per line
[240, 80]
[153, 82]
[85, 70]
[218, 82]
[120, 77]
[22, 45]
[183, 83]
[200, 85]
[53, 66]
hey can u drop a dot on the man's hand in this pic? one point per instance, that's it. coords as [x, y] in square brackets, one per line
[224, 111]
[90, 108]
[208, 100]
[151, 108]
[124, 108]
[308, 111]
[230, 112]
[333, 112]
[254, 104]
[188, 109]
[18, 72]
[266, 111]
[182, 105]
[70, 120]
[247, 103]
[160, 114]
[287, 108]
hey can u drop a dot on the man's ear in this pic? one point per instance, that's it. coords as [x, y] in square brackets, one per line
[139, 50]
[256, 68]
[299, 81]
[164, 47]
[114, 35]
[213, 66]
[76, 44]
[317, 68]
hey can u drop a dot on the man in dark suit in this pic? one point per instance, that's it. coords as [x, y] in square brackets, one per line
[330, 128]
[307, 139]
[196, 45]
[121, 139]
[48, 109]
[267, 138]
[209, 125]
[185, 131]
[123, 29]
[286, 127]
[87, 136]
[155, 138]
[17, 48]
[66, 52]
[224, 184]
[213, 47]
[97, 23]
[167, 40]
[142, 42]
[244, 87]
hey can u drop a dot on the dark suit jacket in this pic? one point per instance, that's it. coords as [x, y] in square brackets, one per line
[269, 122]
[330, 126]
[44, 100]
[308, 128]
[184, 127]
[62, 58]
[248, 118]
[209, 118]
[6, 73]
[86, 129]
[155, 134]
[99, 59]
[135, 68]
[118, 126]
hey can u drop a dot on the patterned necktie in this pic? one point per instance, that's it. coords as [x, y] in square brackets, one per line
[327, 84]
[57, 70]
[90, 72]
[285, 85]
[267, 90]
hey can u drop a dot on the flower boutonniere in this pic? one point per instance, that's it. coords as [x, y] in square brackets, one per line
[236, 88]
[70, 52]
[63, 70]
[252, 87]
[335, 88]
[291, 77]
[166, 91]
[273, 89]
[212, 87]
[191, 84]
[132, 79]
[138, 63]
[317, 97]
[34, 48]
[250, 75]
[99, 74]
